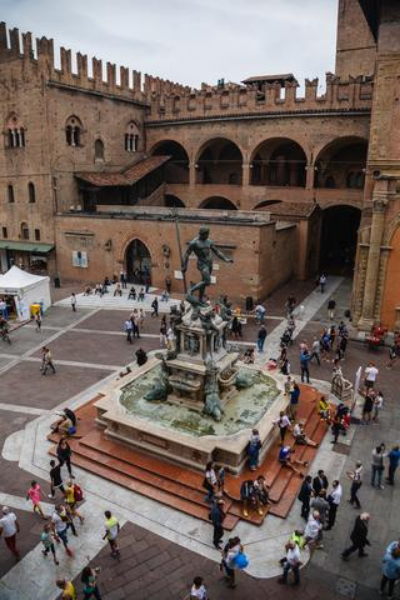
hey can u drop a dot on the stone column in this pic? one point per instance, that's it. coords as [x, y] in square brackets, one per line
[371, 279]
[245, 174]
[192, 174]
[310, 172]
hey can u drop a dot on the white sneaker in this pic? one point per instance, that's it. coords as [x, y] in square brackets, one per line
[382, 487]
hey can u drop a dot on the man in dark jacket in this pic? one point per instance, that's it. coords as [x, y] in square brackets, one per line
[320, 482]
[217, 516]
[305, 496]
[359, 537]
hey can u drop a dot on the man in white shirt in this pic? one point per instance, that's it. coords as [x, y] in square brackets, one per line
[9, 527]
[283, 422]
[370, 375]
[292, 562]
[334, 499]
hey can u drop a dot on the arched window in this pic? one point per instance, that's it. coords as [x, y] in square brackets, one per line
[131, 138]
[31, 193]
[73, 131]
[98, 150]
[10, 194]
[24, 231]
[15, 133]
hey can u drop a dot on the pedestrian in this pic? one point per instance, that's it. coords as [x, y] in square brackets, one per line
[154, 306]
[368, 406]
[378, 405]
[294, 401]
[89, 581]
[304, 366]
[123, 279]
[321, 504]
[377, 466]
[334, 499]
[135, 320]
[198, 591]
[356, 477]
[9, 527]
[305, 497]
[390, 568]
[283, 422]
[68, 589]
[59, 525]
[337, 427]
[128, 328]
[232, 549]
[371, 375]
[56, 482]
[331, 308]
[320, 482]
[292, 563]
[34, 494]
[73, 495]
[253, 449]
[141, 357]
[260, 312]
[322, 283]
[359, 537]
[210, 481]
[46, 537]
[316, 351]
[261, 336]
[73, 302]
[38, 322]
[112, 531]
[217, 516]
[47, 361]
[394, 459]
[64, 453]
[313, 531]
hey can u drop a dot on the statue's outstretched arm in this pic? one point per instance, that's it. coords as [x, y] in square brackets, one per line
[220, 254]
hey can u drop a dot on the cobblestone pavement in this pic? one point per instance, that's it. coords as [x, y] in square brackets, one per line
[89, 346]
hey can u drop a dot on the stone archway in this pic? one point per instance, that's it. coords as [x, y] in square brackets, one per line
[138, 262]
[218, 203]
[338, 247]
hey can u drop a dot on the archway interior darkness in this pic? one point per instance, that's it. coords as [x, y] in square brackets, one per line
[340, 225]
[172, 201]
[138, 263]
[266, 203]
[176, 169]
[279, 162]
[218, 203]
[220, 162]
[342, 164]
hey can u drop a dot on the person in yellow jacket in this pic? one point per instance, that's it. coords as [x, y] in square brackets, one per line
[68, 589]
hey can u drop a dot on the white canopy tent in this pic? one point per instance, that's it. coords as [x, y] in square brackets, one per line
[26, 289]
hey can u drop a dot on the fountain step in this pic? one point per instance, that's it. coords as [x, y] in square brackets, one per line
[98, 467]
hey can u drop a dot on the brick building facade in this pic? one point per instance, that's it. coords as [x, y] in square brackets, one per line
[93, 172]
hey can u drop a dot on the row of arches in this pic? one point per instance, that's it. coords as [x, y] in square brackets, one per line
[273, 162]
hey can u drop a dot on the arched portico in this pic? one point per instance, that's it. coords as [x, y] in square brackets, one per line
[341, 163]
[278, 162]
[219, 161]
[138, 262]
[177, 169]
[218, 203]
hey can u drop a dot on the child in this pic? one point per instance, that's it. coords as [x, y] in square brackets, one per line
[48, 544]
[34, 496]
[198, 590]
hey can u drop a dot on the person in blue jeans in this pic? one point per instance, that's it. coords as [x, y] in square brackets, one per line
[304, 366]
[377, 467]
[262, 334]
[291, 563]
[390, 568]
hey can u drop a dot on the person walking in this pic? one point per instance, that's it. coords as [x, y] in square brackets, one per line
[47, 361]
[154, 306]
[390, 568]
[68, 589]
[73, 494]
[322, 283]
[394, 459]
[283, 422]
[356, 477]
[371, 375]
[359, 537]
[89, 581]
[334, 499]
[47, 537]
[217, 516]
[73, 302]
[111, 534]
[34, 494]
[304, 366]
[198, 591]
[305, 497]
[38, 322]
[316, 351]
[377, 466]
[64, 454]
[56, 482]
[229, 555]
[331, 308]
[261, 336]
[59, 525]
[128, 328]
[9, 527]
[292, 563]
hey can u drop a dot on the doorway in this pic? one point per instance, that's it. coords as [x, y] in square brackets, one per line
[340, 225]
[138, 263]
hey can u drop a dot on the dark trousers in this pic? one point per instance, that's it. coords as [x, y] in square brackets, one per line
[66, 461]
[94, 594]
[355, 486]
[296, 572]
[48, 364]
[282, 433]
[316, 356]
[332, 515]
[218, 535]
[305, 509]
[305, 373]
[391, 472]
[129, 336]
[354, 548]
[391, 582]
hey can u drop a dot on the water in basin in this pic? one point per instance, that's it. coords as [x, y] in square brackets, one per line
[244, 410]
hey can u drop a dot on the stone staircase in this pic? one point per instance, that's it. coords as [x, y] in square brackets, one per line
[180, 487]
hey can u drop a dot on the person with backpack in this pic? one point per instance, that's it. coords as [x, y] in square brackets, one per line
[73, 495]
